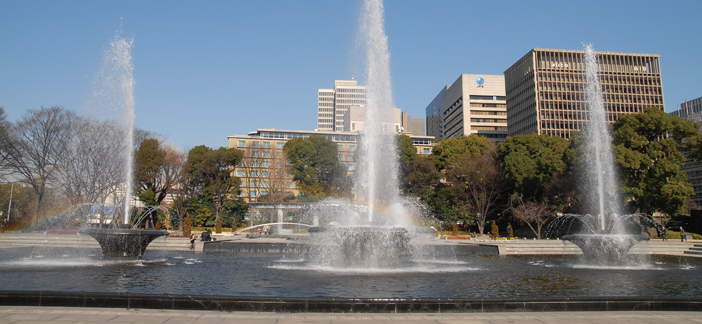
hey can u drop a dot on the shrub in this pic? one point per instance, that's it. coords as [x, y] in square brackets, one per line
[233, 226]
[187, 225]
[495, 233]
[218, 226]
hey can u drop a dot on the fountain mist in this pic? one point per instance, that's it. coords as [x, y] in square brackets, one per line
[604, 243]
[378, 170]
[115, 93]
[602, 179]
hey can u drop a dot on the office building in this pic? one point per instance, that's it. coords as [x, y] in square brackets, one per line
[263, 169]
[689, 108]
[410, 125]
[475, 104]
[546, 89]
[334, 103]
[692, 110]
[355, 119]
[434, 124]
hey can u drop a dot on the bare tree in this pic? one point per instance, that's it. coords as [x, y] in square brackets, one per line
[34, 145]
[92, 163]
[479, 181]
[265, 172]
[532, 213]
[4, 143]
[172, 170]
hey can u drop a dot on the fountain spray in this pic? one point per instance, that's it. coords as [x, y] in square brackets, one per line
[379, 168]
[601, 172]
[117, 95]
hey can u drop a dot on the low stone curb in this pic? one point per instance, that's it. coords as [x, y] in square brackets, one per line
[346, 305]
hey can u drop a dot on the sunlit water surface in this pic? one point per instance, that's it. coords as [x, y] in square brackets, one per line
[232, 274]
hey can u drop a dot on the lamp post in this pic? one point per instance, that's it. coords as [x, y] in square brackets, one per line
[9, 205]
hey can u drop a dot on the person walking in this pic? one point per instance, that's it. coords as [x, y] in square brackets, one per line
[682, 234]
[663, 232]
[192, 242]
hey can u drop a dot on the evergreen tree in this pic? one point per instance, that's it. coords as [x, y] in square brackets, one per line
[187, 225]
[495, 231]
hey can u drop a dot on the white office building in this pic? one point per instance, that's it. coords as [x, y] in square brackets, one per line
[335, 103]
[475, 104]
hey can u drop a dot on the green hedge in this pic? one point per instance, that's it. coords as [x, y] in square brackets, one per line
[671, 235]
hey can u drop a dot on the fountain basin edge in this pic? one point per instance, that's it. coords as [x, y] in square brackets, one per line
[346, 305]
[122, 243]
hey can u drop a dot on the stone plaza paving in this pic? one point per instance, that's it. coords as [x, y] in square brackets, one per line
[27, 315]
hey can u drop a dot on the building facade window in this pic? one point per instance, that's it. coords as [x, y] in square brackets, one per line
[352, 148]
[254, 173]
[266, 144]
[264, 174]
[266, 154]
[256, 144]
[240, 173]
[266, 164]
[280, 145]
[427, 151]
[241, 144]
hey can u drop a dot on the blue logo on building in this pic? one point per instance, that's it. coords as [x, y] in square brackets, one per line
[480, 80]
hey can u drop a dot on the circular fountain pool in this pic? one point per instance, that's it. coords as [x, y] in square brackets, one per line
[230, 274]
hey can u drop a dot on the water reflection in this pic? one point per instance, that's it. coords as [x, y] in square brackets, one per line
[272, 275]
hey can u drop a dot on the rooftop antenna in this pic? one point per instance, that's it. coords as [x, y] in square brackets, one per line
[352, 78]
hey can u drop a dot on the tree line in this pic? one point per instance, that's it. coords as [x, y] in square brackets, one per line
[59, 159]
[64, 159]
[530, 179]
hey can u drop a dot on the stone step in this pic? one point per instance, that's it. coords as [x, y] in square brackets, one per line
[693, 252]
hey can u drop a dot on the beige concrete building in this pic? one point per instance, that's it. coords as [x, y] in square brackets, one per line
[475, 104]
[334, 103]
[546, 89]
[410, 125]
[355, 118]
[263, 170]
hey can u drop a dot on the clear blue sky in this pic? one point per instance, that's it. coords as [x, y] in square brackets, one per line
[208, 69]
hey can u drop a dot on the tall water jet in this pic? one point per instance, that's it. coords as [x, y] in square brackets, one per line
[115, 94]
[381, 233]
[601, 175]
[378, 168]
[607, 242]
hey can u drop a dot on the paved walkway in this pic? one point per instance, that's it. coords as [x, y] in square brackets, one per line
[26, 315]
